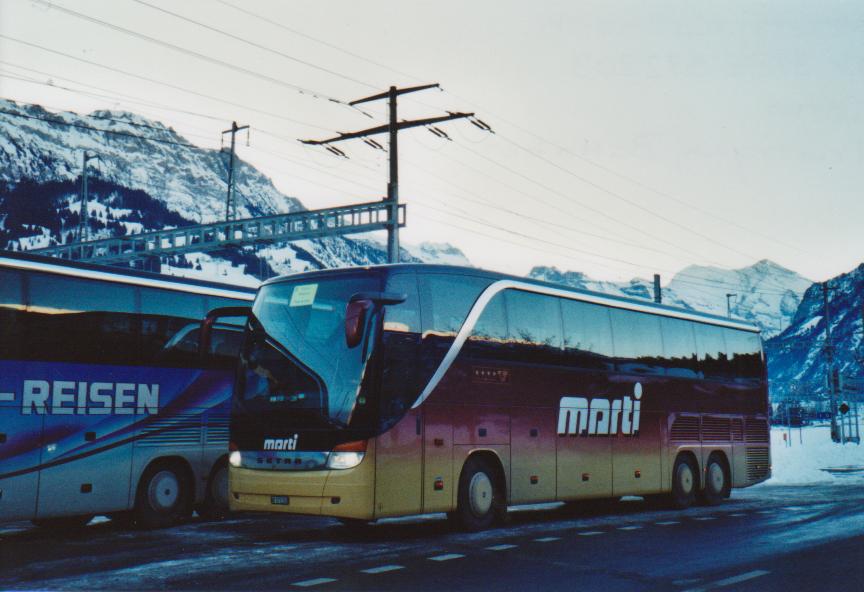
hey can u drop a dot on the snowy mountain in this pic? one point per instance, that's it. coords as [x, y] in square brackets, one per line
[796, 356]
[765, 293]
[148, 177]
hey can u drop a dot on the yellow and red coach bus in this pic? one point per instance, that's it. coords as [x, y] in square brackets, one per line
[406, 389]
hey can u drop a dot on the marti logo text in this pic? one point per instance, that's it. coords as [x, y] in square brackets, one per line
[281, 443]
[578, 416]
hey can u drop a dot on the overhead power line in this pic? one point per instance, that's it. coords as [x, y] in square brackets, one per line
[161, 83]
[256, 45]
[195, 54]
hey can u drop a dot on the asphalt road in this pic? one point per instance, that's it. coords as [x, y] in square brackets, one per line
[764, 538]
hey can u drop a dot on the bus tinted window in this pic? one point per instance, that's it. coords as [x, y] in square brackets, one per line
[11, 313]
[745, 353]
[534, 324]
[447, 299]
[405, 316]
[679, 347]
[169, 327]
[638, 345]
[587, 335]
[711, 349]
[489, 336]
[77, 320]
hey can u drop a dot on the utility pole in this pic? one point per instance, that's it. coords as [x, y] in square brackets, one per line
[729, 304]
[82, 217]
[658, 294]
[829, 362]
[230, 201]
[392, 128]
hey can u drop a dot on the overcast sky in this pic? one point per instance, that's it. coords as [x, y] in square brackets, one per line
[631, 137]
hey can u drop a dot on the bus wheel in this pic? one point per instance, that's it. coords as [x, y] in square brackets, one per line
[481, 499]
[716, 481]
[215, 506]
[163, 496]
[64, 522]
[685, 482]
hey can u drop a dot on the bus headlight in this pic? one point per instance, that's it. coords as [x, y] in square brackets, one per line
[235, 459]
[347, 456]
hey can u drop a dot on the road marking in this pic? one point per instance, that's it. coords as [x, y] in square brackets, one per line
[446, 557]
[667, 523]
[590, 532]
[737, 515]
[7, 397]
[750, 575]
[704, 518]
[500, 547]
[766, 511]
[315, 582]
[547, 539]
[756, 573]
[382, 569]
[634, 527]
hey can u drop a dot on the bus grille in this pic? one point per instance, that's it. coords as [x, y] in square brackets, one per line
[738, 430]
[756, 430]
[685, 428]
[178, 430]
[757, 464]
[716, 429]
[217, 430]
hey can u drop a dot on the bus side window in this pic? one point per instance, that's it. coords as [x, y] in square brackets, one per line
[679, 346]
[745, 354]
[447, 300]
[79, 320]
[637, 340]
[11, 314]
[587, 335]
[488, 339]
[713, 362]
[534, 323]
[169, 327]
[227, 337]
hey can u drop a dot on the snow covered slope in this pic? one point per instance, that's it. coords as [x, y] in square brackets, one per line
[796, 357]
[766, 293]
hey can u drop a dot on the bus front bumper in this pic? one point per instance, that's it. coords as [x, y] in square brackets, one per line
[344, 493]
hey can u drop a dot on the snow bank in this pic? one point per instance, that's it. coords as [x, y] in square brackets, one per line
[803, 463]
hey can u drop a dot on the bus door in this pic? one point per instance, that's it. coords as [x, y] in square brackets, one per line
[399, 448]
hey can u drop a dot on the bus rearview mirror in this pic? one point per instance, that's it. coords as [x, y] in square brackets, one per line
[355, 321]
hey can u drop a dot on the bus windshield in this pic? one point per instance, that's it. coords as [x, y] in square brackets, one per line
[297, 363]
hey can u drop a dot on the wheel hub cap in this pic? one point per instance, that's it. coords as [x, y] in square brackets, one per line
[480, 494]
[685, 478]
[164, 490]
[716, 477]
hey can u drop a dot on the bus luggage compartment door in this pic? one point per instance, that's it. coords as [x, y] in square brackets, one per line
[20, 456]
[438, 477]
[80, 474]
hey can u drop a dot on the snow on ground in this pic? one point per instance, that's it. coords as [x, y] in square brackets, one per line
[213, 270]
[802, 463]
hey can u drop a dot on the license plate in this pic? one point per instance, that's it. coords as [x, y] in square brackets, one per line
[279, 500]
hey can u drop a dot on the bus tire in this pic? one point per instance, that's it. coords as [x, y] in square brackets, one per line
[717, 483]
[163, 495]
[481, 495]
[215, 506]
[685, 481]
[63, 522]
